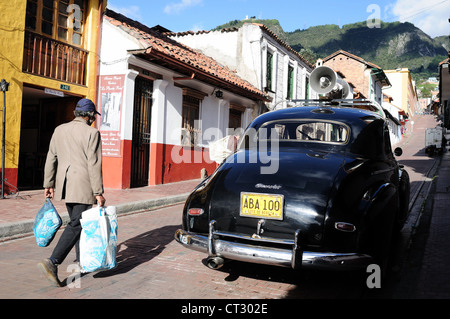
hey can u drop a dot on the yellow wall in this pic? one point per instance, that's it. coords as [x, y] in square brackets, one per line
[405, 89]
[402, 90]
[12, 23]
[12, 26]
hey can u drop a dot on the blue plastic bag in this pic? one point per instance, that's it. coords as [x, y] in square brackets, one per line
[98, 239]
[46, 224]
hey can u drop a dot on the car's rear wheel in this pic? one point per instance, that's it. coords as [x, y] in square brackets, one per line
[404, 196]
[380, 239]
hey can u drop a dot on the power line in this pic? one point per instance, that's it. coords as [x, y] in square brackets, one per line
[419, 12]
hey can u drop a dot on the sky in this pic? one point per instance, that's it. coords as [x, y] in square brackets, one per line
[183, 15]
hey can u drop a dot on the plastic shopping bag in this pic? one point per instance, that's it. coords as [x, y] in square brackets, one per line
[46, 224]
[219, 150]
[98, 239]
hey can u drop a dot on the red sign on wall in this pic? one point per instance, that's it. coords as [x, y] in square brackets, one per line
[110, 95]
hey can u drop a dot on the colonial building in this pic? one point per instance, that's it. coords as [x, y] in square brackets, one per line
[369, 82]
[403, 91]
[162, 104]
[367, 78]
[404, 94]
[444, 92]
[49, 55]
[395, 118]
[260, 57]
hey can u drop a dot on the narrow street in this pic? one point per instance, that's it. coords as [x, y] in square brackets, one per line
[151, 265]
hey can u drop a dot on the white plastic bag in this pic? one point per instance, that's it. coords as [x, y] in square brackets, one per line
[219, 150]
[98, 240]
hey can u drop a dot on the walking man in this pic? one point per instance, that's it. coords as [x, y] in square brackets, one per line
[73, 172]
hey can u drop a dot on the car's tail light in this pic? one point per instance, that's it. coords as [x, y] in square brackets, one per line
[346, 227]
[195, 211]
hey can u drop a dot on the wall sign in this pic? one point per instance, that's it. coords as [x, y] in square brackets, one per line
[54, 92]
[110, 96]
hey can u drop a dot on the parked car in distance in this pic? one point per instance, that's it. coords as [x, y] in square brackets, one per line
[309, 186]
[434, 140]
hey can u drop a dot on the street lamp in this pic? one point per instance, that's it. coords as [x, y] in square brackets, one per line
[3, 87]
[219, 94]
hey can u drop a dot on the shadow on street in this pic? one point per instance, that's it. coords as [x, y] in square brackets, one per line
[140, 249]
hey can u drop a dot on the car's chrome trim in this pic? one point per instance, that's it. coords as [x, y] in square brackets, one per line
[292, 256]
[255, 238]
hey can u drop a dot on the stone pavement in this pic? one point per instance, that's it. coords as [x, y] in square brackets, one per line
[427, 260]
[17, 212]
[431, 244]
[426, 264]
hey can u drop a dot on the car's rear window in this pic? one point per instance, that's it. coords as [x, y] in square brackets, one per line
[314, 131]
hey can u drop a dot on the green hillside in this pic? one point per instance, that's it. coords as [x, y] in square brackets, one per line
[393, 45]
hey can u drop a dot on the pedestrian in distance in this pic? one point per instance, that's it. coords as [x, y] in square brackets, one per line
[73, 173]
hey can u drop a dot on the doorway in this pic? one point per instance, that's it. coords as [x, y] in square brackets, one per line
[41, 114]
[140, 152]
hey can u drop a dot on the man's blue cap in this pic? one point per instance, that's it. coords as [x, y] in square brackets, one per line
[86, 105]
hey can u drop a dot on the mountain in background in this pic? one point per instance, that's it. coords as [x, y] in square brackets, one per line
[393, 45]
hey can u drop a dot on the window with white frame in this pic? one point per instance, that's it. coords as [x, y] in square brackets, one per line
[290, 83]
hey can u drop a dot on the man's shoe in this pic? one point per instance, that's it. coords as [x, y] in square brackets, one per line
[50, 270]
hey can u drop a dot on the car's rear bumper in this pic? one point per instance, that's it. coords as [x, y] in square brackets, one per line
[288, 253]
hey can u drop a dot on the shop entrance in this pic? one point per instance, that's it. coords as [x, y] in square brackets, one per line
[41, 114]
[140, 153]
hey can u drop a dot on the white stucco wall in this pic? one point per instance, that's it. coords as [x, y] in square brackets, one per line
[114, 61]
[395, 130]
[245, 50]
[114, 46]
[396, 91]
[167, 97]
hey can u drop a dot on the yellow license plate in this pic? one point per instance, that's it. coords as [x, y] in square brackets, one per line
[267, 206]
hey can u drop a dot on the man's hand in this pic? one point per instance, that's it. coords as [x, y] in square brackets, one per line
[100, 200]
[49, 193]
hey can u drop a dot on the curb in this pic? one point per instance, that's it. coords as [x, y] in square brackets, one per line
[418, 202]
[419, 199]
[24, 228]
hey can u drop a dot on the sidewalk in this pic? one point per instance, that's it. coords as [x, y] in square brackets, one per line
[17, 212]
[434, 275]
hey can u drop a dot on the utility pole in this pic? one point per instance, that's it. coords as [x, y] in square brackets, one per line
[3, 87]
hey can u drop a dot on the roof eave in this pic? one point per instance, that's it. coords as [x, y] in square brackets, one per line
[381, 76]
[179, 66]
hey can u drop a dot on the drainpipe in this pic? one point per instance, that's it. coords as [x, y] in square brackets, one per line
[4, 87]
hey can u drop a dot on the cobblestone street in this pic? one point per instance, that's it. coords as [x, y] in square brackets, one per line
[151, 265]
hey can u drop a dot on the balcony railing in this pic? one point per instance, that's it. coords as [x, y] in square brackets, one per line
[54, 59]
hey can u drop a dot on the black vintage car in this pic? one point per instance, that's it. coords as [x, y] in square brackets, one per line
[307, 187]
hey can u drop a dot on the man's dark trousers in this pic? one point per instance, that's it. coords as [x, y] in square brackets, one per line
[71, 235]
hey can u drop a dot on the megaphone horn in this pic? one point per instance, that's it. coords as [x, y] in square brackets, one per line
[323, 79]
[344, 87]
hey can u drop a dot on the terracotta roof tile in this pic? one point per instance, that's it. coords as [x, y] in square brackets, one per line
[263, 27]
[157, 43]
[283, 43]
